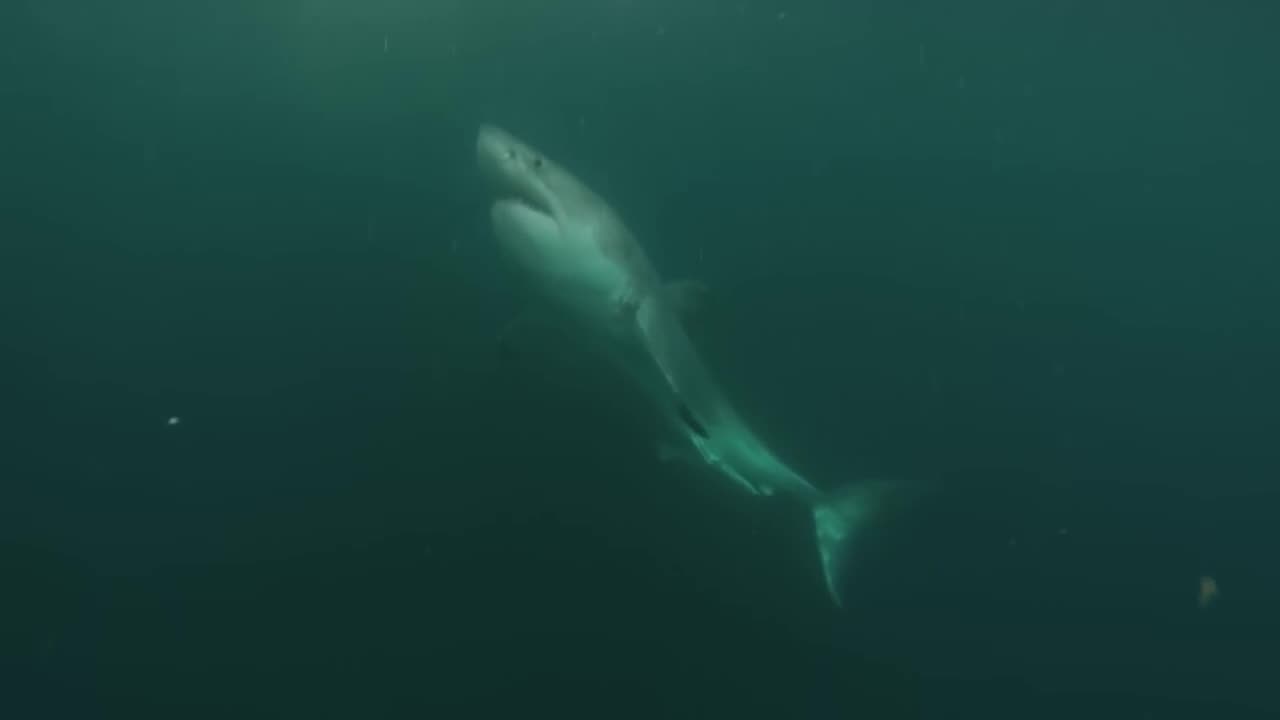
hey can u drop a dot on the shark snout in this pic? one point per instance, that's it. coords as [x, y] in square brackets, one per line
[493, 151]
[499, 150]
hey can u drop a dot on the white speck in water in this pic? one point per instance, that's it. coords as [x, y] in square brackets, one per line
[386, 43]
[782, 15]
[453, 245]
[1062, 531]
[175, 420]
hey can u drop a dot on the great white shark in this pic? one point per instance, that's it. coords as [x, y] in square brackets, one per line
[584, 264]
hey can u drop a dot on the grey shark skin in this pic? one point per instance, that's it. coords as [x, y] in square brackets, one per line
[582, 261]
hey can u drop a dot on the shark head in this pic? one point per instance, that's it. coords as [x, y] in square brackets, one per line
[534, 193]
[559, 233]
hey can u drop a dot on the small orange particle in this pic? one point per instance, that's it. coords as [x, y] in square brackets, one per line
[1208, 590]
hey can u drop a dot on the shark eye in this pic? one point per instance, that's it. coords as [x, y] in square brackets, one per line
[511, 154]
[537, 162]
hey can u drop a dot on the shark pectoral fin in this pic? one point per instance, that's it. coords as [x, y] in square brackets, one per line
[688, 297]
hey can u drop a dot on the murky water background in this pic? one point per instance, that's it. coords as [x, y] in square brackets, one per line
[1023, 251]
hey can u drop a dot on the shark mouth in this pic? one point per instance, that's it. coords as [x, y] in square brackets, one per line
[515, 188]
[514, 172]
[527, 201]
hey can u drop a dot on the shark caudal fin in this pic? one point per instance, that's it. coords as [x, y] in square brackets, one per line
[840, 518]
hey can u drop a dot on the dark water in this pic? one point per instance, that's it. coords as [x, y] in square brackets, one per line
[1024, 252]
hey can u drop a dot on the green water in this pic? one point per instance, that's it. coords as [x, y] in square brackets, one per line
[1023, 252]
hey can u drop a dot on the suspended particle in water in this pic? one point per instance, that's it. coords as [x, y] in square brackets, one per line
[173, 421]
[1208, 591]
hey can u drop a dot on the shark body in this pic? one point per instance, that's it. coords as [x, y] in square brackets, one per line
[582, 261]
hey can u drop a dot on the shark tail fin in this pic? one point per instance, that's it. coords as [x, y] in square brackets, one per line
[839, 519]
